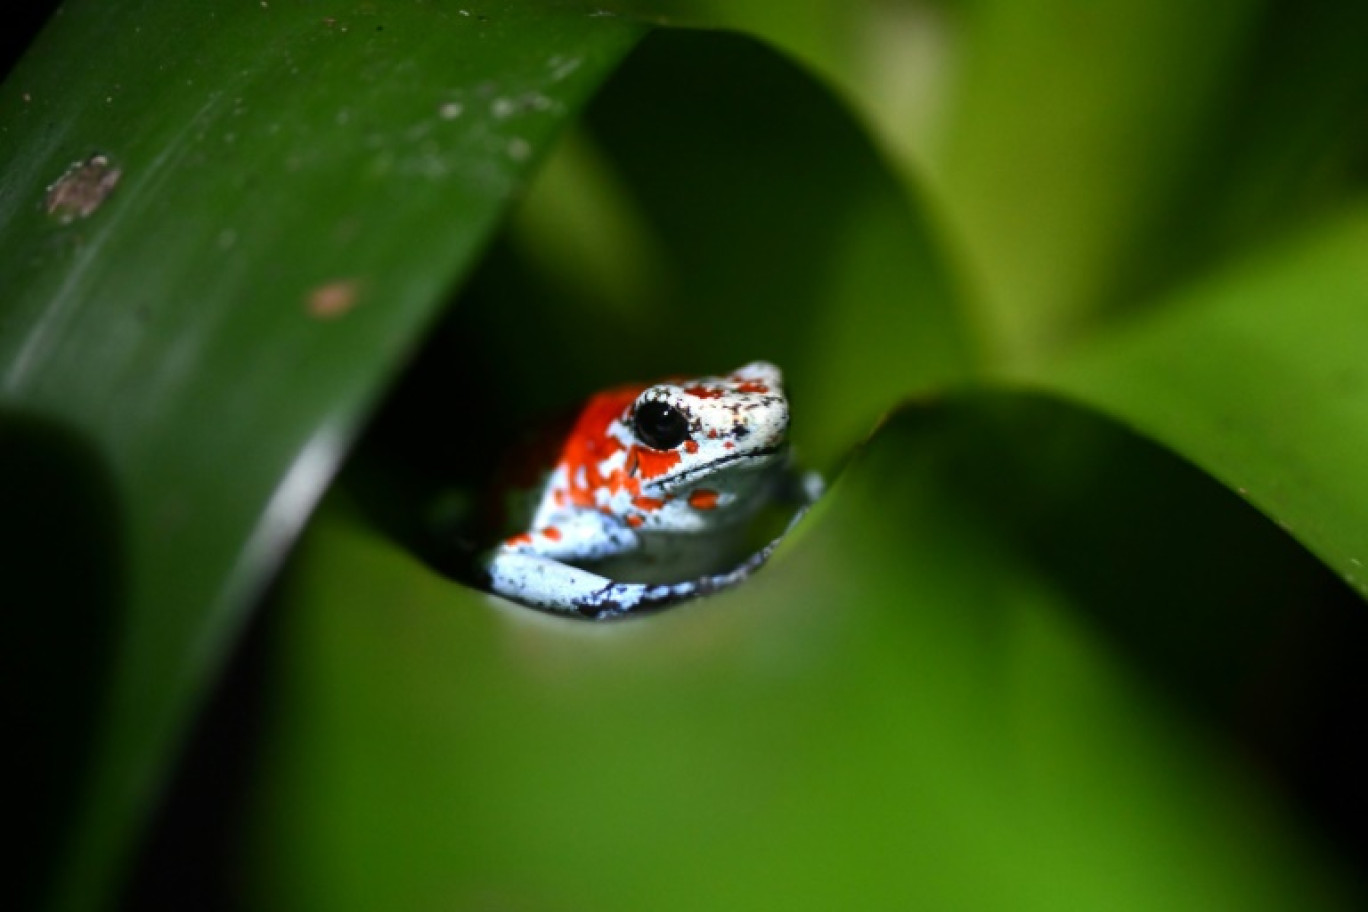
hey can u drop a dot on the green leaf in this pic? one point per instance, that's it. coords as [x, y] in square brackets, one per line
[274, 200]
[906, 709]
[1079, 176]
[1070, 124]
[943, 693]
[1258, 377]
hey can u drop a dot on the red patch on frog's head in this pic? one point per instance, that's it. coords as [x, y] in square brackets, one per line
[649, 464]
[706, 392]
[590, 443]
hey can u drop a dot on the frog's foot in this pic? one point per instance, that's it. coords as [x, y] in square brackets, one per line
[543, 582]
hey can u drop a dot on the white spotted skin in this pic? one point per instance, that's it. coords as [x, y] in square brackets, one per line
[648, 495]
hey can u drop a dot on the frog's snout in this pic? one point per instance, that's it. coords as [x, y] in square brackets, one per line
[761, 372]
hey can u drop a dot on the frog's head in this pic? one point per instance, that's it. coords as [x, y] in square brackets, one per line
[712, 438]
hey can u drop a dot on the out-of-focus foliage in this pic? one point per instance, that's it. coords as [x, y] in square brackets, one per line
[1018, 657]
[877, 720]
[1258, 375]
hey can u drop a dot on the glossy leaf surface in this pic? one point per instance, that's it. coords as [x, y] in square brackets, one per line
[297, 187]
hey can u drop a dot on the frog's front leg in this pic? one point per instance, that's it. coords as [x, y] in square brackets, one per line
[579, 535]
[530, 568]
[547, 583]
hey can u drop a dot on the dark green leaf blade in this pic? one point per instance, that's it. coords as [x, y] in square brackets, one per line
[286, 191]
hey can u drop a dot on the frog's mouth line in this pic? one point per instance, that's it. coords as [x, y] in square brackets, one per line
[704, 471]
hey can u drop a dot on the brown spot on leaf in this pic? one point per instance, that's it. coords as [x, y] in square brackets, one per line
[332, 300]
[82, 189]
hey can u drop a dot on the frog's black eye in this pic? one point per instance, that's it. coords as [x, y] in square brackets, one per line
[659, 425]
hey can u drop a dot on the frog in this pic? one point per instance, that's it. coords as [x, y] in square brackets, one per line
[649, 494]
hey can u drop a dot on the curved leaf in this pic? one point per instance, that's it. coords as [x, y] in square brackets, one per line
[1065, 139]
[1258, 376]
[273, 201]
[904, 710]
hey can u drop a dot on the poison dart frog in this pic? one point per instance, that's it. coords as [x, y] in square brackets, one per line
[649, 497]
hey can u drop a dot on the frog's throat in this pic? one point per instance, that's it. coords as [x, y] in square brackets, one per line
[703, 471]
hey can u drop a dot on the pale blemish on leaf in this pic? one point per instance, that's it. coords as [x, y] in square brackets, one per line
[82, 189]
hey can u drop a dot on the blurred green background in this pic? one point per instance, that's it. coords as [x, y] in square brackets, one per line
[1071, 302]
